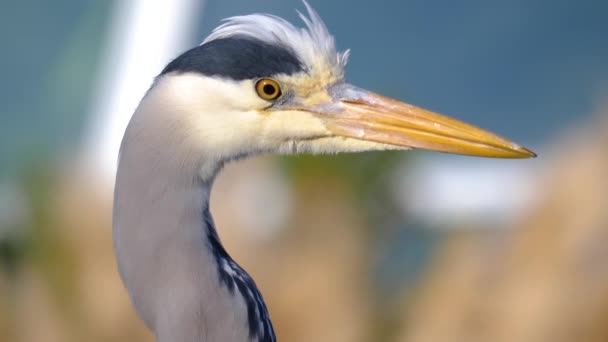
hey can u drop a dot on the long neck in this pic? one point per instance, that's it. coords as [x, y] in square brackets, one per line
[181, 280]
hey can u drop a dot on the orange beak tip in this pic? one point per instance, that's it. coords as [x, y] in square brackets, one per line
[530, 153]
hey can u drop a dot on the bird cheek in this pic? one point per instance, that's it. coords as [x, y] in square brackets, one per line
[294, 125]
[315, 98]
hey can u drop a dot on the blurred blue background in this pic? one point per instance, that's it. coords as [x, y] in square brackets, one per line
[407, 239]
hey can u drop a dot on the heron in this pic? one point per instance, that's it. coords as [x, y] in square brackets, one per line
[256, 85]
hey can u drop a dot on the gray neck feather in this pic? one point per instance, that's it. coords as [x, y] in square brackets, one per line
[181, 281]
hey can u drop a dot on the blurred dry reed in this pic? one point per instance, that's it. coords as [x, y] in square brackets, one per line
[546, 279]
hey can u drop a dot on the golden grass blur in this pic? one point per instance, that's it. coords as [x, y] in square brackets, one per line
[543, 280]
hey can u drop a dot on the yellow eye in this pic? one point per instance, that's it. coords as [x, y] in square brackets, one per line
[268, 89]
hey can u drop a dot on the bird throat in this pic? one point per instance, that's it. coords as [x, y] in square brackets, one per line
[182, 282]
[238, 282]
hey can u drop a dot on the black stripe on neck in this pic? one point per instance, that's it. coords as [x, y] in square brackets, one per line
[236, 279]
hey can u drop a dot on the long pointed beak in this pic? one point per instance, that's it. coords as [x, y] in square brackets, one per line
[359, 114]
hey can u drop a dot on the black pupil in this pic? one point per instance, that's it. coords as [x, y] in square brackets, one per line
[269, 89]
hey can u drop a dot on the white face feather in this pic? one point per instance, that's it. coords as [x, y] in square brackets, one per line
[313, 45]
[219, 119]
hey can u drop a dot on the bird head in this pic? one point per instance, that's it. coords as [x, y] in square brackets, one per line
[259, 84]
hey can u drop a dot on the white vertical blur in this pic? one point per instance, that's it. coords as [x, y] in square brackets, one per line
[444, 191]
[144, 35]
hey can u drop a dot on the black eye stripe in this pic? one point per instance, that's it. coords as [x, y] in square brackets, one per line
[237, 58]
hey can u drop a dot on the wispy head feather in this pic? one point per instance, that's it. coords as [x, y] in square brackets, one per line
[313, 44]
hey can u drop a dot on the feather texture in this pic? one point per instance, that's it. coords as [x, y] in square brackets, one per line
[312, 44]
